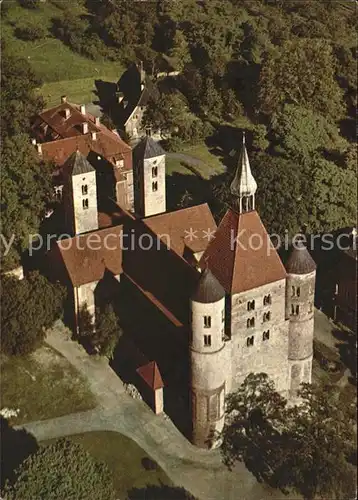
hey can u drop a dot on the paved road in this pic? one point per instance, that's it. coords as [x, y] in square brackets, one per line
[199, 471]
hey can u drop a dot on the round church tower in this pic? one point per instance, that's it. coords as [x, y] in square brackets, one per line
[209, 363]
[300, 287]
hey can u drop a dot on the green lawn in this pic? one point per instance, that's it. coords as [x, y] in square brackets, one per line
[123, 457]
[209, 165]
[62, 70]
[213, 163]
[42, 385]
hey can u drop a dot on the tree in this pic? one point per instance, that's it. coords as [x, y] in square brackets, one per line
[281, 79]
[304, 447]
[180, 51]
[26, 183]
[333, 195]
[107, 332]
[28, 308]
[61, 471]
[31, 31]
[281, 199]
[165, 112]
[18, 99]
[300, 132]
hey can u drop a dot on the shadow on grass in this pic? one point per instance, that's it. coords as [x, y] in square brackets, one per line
[16, 446]
[162, 492]
[347, 347]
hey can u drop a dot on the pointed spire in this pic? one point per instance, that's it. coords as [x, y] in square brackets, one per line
[244, 185]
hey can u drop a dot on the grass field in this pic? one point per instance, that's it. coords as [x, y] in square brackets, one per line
[62, 70]
[42, 385]
[208, 164]
[123, 457]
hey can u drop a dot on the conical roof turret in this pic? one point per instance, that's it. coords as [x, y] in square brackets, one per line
[208, 289]
[300, 260]
[244, 183]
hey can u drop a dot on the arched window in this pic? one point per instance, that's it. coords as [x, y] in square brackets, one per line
[207, 340]
[298, 291]
[250, 322]
[84, 189]
[267, 316]
[293, 291]
[154, 171]
[297, 309]
[266, 335]
[251, 305]
[250, 341]
[207, 321]
[154, 186]
[85, 203]
[292, 309]
[267, 300]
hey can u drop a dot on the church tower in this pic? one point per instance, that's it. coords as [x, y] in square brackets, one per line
[149, 172]
[301, 276]
[210, 362]
[80, 195]
[244, 185]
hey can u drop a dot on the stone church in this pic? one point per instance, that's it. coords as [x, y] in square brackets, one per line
[212, 303]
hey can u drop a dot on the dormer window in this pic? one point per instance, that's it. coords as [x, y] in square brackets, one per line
[84, 189]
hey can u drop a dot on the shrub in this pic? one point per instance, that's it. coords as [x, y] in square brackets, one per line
[30, 32]
[30, 4]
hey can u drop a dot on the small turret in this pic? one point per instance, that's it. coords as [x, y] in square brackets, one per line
[300, 287]
[209, 363]
[244, 185]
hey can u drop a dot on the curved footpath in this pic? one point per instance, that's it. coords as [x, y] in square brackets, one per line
[199, 471]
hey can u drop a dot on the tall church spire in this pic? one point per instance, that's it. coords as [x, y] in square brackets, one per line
[244, 185]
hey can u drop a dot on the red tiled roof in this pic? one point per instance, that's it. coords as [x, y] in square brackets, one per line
[64, 136]
[241, 256]
[87, 256]
[175, 226]
[151, 375]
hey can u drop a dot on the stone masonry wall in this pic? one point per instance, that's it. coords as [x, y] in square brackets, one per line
[271, 355]
[154, 201]
[85, 219]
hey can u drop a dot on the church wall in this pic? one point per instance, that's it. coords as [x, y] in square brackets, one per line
[271, 355]
[154, 201]
[85, 219]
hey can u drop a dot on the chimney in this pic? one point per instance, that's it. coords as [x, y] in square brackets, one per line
[93, 136]
[84, 128]
[83, 109]
[97, 121]
[67, 113]
[39, 149]
[64, 98]
[33, 142]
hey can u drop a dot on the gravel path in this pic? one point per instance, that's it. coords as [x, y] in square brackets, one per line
[199, 471]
